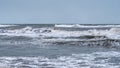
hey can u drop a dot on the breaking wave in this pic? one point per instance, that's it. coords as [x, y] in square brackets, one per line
[51, 32]
[50, 35]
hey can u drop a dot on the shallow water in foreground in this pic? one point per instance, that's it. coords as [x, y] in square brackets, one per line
[60, 56]
[39, 46]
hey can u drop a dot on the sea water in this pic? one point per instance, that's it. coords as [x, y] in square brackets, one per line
[59, 46]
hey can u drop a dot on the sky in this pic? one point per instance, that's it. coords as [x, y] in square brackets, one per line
[59, 11]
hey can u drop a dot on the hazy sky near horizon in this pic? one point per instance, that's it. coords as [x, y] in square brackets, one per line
[59, 11]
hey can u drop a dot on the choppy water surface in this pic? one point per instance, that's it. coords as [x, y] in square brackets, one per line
[59, 46]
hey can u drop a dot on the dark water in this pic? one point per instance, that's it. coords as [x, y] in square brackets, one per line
[17, 50]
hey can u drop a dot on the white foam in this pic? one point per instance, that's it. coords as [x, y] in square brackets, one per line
[59, 33]
[88, 60]
[113, 33]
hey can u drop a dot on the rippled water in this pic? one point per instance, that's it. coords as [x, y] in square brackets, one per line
[46, 46]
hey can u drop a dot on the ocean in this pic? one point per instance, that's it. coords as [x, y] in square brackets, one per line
[59, 46]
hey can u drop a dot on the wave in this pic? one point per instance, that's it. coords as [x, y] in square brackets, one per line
[27, 31]
[108, 59]
[51, 32]
[6, 25]
[86, 26]
[50, 35]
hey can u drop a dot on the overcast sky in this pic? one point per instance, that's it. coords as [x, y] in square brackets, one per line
[60, 11]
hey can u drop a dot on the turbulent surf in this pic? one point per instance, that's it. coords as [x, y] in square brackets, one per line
[59, 46]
